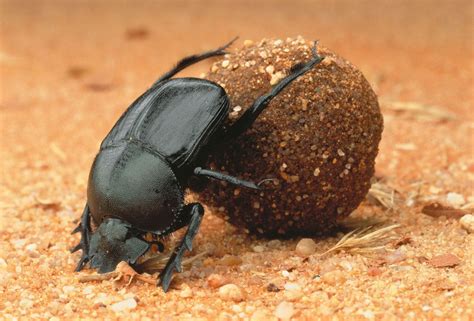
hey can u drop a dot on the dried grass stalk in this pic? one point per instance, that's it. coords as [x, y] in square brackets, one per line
[420, 111]
[157, 263]
[384, 195]
[152, 265]
[364, 240]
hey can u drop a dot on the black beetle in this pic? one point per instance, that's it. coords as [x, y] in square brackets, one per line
[137, 181]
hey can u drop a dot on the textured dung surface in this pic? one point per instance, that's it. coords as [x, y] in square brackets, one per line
[69, 70]
[318, 138]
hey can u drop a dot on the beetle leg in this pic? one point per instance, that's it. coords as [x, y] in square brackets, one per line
[194, 213]
[190, 60]
[251, 114]
[198, 171]
[84, 228]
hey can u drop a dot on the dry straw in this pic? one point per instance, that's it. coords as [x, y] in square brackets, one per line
[364, 240]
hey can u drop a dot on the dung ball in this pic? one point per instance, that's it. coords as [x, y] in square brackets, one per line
[316, 141]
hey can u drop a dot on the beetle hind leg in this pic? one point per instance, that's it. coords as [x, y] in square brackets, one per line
[84, 228]
[194, 213]
[251, 114]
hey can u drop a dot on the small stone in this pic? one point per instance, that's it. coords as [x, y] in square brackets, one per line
[258, 249]
[124, 305]
[225, 63]
[444, 260]
[290, 286]
[26, 303]
[215, 281]
[395, 257]
[261, 315]
[334, 277]
[67, 289]
[274, 244]
[186, 292]
[272, 287]
[248, 43]
[3, 264]
[284, 311]
[276, 77]
[31, 247]
[293, 291]
[231, 292]
[316, 172]
[278, 42]
[374, 271]
[455, 199]
[270, 69]
[305, 247]
[467, 222]
[230, 260]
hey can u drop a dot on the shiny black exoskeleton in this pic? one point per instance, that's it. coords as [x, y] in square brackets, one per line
[137, 181]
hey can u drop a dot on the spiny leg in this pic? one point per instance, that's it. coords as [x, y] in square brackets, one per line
[194, 213]
[189, 60]
[84, 228]
[251, 114]
[198, 171]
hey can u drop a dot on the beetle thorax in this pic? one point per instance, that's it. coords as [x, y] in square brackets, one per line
[134, 184]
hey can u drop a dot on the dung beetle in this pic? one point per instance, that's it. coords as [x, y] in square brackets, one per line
[138, 178]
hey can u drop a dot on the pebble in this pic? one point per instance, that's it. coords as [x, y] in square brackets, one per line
[284, 311]
[455, 199]
[186, 292]
[31, 247]
[67, 289]
[276, 77]
[258, 249]
[231, 292]
[260, 315]
[248, 43]
[305, 247]
[230, 260]
[216, 280]
[467, 222]
[3, 263]
[334, 277]
[26, 303]
[124, 305]
[293, 291]
[225, 63]
[270, 69]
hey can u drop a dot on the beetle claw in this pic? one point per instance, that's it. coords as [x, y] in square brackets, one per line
[77, 229]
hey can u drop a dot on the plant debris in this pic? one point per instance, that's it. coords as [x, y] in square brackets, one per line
[47, 204]
[444, 260]
[157, 263]
[382, 194]
[437, 210]
[123, 271]
[364, 241]
[418, 111]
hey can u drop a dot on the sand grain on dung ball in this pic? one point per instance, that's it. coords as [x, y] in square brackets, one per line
[317, 139]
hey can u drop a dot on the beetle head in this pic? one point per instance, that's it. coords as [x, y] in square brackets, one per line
[114, 241]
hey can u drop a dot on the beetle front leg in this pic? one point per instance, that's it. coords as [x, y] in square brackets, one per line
[251, 114]
[194, 213]
[190, 60]
[84, 228]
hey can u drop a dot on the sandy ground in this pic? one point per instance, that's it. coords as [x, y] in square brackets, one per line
[69, 70]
